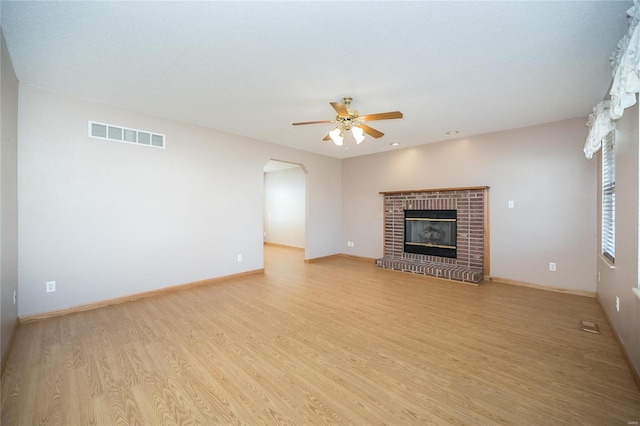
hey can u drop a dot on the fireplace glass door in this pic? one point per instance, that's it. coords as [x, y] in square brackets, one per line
[430, 232]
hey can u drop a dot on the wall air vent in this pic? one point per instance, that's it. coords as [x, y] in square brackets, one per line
[124, 134]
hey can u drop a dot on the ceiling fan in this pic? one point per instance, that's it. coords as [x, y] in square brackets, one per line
[350, 119]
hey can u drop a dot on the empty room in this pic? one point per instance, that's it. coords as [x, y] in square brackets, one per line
[312, 212]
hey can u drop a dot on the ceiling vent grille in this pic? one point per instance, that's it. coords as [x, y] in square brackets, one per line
[125, 134]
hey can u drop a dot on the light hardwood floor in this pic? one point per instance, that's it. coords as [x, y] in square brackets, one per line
[336, 342]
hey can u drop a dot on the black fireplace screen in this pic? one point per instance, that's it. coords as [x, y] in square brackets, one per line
[430, 232]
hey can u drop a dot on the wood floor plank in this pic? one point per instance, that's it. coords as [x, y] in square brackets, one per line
[331, 342]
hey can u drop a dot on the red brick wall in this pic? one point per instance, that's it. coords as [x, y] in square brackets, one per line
[469, 204]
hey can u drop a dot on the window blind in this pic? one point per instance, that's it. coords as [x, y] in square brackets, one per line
[609, 198]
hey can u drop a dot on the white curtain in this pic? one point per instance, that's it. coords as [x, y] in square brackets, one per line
[626, 66]
[625, 63]
[600, 125]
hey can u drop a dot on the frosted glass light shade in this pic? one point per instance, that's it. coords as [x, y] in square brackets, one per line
[358, 134]
[337, 135]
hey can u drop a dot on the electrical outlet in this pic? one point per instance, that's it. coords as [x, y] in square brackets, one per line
[350, 244]
[239, 258]
[511, 204]
[617, 304]
[598, 276]
[15, 297]
[50, 286]
[552, 266]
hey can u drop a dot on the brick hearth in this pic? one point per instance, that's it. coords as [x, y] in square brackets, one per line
[471, 263]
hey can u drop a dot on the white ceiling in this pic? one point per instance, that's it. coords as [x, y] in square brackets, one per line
[253, 68]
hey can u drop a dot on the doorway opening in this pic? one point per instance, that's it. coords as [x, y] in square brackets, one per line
[285, 199]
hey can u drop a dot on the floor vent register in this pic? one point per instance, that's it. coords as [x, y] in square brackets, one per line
[589, 327]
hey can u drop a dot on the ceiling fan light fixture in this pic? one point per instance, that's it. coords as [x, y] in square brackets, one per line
[358, 134]
[337, 135]
[350, 119]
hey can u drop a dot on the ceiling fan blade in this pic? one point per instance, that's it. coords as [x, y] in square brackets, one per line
[313, 122]
[381, 116]
[326, 138]
[371, 131]
[340, 108]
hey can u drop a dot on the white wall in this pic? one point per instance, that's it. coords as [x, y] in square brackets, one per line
[284, 201]
[8, 195]
[107, 219]
[541, 168]
[619, 280]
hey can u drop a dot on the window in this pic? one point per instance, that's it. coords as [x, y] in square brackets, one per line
[609, 198]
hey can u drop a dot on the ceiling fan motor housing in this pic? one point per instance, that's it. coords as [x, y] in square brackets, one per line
[350, 120]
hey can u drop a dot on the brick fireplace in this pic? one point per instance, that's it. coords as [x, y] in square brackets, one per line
[471, 241]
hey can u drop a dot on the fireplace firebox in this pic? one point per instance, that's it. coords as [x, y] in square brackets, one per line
[430, 232]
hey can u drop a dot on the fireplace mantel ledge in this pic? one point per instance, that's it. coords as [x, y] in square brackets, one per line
[408, 191]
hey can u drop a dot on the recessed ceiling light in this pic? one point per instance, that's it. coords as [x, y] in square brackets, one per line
[452, 132]
[394, 143]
